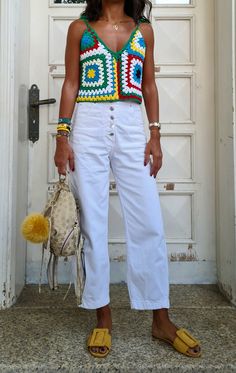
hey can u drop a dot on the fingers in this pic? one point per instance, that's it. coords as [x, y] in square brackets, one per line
[156, 165]
[61, 163]
[61, 169]
[156, 159]
[146, 155]
[72, 162]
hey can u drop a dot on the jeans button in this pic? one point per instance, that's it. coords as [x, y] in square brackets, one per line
[111, 117]
[111, 108]
[111, 134]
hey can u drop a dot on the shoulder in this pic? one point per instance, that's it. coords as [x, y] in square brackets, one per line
[76, 28]
[147, 30]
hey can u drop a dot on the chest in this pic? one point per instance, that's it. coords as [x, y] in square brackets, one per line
[113, 38]
[92, 43]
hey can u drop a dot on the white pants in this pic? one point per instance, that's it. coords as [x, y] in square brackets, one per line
[112, 135]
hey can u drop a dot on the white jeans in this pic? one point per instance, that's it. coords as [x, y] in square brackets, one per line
[112, 135]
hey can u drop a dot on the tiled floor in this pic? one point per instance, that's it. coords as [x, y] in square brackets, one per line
[43, 333]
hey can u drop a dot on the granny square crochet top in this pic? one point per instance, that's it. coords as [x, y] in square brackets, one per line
[106, 75]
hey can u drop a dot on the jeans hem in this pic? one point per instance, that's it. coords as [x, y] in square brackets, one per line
[92, 305]
[147, 305]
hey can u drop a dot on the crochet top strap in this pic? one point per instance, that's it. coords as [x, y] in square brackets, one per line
[85, 19]
[143, 20]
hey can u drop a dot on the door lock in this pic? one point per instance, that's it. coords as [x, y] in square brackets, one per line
[33, 113]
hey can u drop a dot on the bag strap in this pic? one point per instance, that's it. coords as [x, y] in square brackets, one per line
[41, 269]
[49, 272]
[52, 271]
[45, 246]
[67, 290]
[55, 271]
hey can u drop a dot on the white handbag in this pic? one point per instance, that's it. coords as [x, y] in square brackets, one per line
[65, 238]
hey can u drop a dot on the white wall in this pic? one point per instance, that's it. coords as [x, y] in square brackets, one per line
[14, 67]
[225, 201]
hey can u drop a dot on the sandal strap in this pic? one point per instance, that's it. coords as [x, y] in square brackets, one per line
[100, 337]
[184, 340]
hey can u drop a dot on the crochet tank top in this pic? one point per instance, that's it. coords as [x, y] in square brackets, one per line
[106, 75]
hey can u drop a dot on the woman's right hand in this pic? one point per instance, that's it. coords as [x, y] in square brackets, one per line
[63, 154]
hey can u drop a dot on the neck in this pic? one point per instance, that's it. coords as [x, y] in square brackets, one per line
[113, 10]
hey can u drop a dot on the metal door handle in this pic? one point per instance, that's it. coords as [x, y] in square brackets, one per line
[43, 102]
[33, 112]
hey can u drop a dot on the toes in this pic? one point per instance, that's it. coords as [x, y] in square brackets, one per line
[102, 350]
[195, 350]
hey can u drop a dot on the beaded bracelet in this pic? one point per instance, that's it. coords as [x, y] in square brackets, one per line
[62, 135]
[64, 120]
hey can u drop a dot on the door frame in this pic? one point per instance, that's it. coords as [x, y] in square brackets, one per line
[13, 138]
[6, 140]
[234, 136]
[225, 85]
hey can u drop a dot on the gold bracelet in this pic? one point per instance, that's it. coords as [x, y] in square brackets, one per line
[64, 125]
[63, 129]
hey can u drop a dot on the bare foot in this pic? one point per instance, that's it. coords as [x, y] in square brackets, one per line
[162, 327]
[103, 321]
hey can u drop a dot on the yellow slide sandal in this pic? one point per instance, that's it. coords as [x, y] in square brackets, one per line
[183, 342]
[99, 339]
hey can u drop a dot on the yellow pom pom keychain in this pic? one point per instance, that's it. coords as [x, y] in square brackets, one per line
[35, 228]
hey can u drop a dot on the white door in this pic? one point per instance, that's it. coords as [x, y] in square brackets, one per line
[184, 53]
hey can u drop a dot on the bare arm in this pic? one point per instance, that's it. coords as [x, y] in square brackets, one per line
[71, 81]
[151, 100]
[69, 92]
[149, 88]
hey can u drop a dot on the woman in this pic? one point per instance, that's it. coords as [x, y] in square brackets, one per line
[109, 69]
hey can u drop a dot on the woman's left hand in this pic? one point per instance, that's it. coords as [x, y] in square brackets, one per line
[153, 148]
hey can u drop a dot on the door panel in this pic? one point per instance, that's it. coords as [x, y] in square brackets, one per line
[176, 92]
[175, 37]
[184, 52]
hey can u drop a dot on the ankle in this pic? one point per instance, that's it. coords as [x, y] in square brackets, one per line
[104, 319]
[160, 317]
[104, 311]
[104, 315]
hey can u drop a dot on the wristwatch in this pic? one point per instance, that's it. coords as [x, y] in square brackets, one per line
[155, 124]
